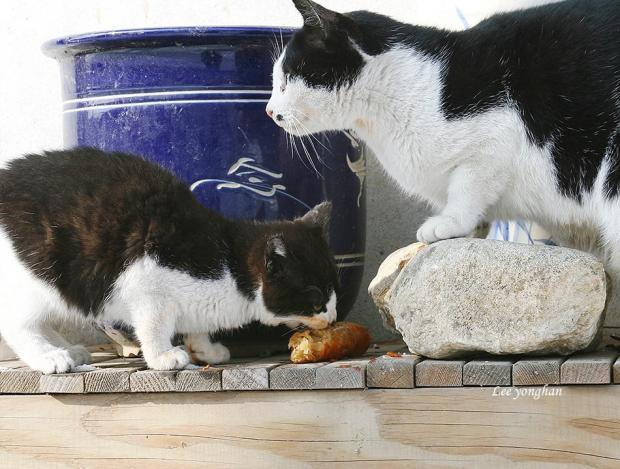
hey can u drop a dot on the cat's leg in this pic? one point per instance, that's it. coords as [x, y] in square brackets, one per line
[79, 353]
[154, 330]
[32, 343]
[471, 191]
[201, 349]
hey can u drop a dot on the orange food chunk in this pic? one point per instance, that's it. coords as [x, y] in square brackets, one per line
[343, 339]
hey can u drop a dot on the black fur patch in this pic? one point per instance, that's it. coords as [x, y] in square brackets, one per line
[558, 64]
[77, 218]
[327, 62]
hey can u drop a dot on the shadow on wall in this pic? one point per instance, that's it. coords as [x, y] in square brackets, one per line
[393, 219]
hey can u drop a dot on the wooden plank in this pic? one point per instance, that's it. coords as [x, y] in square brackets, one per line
[537, 371]
[617, 371]
[439, 373]
[12, 364]
[152, 381]
[395, 372]
[122, 362]
[491, 372]
[291, 376]
[454, 427]
[247, 377]
[344, 374]
[588, 368]
[112, 375]
[19, 381]
[108, 380]
[203, 379]
[60, 383]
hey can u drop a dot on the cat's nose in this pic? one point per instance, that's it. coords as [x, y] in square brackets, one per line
[269, 112]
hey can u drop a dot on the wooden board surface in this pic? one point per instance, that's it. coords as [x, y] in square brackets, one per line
[588, 368]
[247, 377]
[19, 381]
[376, 370]
[291, 376]
[490, 372]
[111, 380]
[439, 373]
[537, 371]
[344, 374]
[62, 383]
[153, 381]
[204, 379]
[392, 372]
[456, 428]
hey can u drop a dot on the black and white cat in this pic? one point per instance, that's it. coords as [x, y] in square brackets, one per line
[111, 236]
[515, 118]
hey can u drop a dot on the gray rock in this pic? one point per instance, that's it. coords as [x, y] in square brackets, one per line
[466, 295]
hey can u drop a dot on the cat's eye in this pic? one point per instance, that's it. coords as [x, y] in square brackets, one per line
[319, 308]
[284, 82]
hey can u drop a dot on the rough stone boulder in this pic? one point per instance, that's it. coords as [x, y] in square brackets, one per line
[466, 295]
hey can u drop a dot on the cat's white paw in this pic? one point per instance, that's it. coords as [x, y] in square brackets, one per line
[80, 355]
[439, 228]
[56, 361]
[213, 354]
[174, 359]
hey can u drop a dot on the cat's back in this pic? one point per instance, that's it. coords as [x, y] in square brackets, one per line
[58, 179]
[76, 218]
[570, 33]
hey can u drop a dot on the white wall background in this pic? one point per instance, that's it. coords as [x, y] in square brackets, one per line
[30, 105]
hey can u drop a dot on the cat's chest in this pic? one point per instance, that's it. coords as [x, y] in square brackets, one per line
[211, 304]
[195, 304]
[407, 162]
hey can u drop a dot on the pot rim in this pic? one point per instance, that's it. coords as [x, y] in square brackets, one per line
[69, 46]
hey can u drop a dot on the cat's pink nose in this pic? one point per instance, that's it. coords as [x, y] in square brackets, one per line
[269, 112]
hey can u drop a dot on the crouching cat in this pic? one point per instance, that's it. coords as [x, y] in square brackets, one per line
[111, 236]
[515, 118]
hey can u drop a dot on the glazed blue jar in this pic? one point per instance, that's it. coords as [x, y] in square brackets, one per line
[193, 101]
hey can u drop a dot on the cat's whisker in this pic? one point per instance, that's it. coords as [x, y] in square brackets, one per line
[296, 123]
[318, 156]
[294, 145]
[310, 137]
[281, 43]
[277, 48]
[293, 330]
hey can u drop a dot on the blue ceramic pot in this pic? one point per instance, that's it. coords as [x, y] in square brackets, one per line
[193, 100]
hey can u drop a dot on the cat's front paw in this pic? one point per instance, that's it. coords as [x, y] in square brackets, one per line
[56, 361]
[439, 228]
[80, 355]
[214, 354]
[174, 359]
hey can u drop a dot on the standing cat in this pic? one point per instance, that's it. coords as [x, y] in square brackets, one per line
[517, 117]
[111, 236]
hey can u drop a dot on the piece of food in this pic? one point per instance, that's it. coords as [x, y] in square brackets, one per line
[340, 340]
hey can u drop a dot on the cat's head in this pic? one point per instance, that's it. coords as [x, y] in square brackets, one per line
[297, 272]
[314, 77]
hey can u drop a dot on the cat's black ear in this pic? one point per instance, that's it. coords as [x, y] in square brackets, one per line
[319, 216]
[275, 252]
[316, 16]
